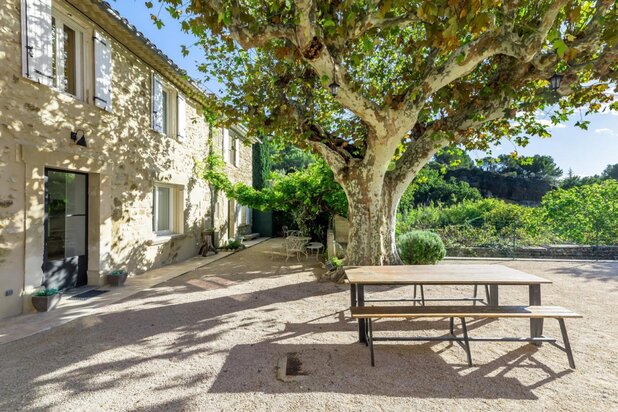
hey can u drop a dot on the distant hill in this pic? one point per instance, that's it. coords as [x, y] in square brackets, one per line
[491, 184]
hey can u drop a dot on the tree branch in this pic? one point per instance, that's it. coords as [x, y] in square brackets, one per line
[316, 54]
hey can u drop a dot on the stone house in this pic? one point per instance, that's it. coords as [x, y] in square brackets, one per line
[99, 138]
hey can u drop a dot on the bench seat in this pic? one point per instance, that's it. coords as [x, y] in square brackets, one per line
[462, 312]
[409, 312]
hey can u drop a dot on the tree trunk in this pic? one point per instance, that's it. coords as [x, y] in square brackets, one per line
[372, 217]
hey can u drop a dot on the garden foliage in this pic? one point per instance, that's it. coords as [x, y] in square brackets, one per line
[580, 215]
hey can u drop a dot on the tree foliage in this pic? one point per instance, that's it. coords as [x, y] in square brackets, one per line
[541, 167]
[584, 214]
[311, 195]
[610, 172]
[430, 187]
[449, 64]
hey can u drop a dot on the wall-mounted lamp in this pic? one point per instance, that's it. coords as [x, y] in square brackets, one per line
[79, 138]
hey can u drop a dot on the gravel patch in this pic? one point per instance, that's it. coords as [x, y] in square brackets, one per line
[215, 339]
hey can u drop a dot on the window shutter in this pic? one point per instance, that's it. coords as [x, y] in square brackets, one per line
[182, 117]
[102, 72]
[237, 211]
[226, 145]
[157, 104]
[37, 41]
[237, 152]
[249, 216]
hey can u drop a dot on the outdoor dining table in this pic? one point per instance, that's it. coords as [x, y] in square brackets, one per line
[491, 275]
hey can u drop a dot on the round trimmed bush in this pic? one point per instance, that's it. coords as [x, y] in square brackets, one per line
[420, 247]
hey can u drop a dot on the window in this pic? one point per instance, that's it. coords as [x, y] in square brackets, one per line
[67, 56]
[234, 152]
[56, 52]
[167, 210]
[231, 148]
[167, 104]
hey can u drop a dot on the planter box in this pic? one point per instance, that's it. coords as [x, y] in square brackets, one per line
[45, 303]
[117, 280]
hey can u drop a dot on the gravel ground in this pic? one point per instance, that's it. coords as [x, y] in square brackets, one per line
[212, 339]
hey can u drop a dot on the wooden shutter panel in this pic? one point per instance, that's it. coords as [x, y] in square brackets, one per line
[37, 40]
[102, 72]
[182, 117]
[249, 216]
[237, 151]
[157, 104]
[226, 145]
[237, 220]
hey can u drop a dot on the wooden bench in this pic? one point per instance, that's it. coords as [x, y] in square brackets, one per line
[463, 312]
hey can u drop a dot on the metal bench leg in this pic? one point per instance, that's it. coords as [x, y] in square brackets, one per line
[370, 339]
[475, 294]
[487, 294]
[451, 326]
[567, 344]
[422, 295]
[414, 303]
[466, 340]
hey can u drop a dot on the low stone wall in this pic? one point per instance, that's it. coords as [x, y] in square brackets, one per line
[539, 252]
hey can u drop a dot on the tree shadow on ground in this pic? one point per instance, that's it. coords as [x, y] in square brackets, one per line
[401, 371]
[592, 271]
[187, 336]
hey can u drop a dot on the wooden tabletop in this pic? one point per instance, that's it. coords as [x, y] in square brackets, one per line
[440, 275]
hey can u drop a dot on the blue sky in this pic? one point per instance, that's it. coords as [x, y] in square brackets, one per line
[586, 152]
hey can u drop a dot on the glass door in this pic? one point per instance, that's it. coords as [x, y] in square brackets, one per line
[65, 260]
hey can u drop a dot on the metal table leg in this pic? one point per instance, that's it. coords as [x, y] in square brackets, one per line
[536, 325]
[494, 297]
[362, 323]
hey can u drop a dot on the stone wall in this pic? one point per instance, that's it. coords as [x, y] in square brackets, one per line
[124, 157]
[540, 252]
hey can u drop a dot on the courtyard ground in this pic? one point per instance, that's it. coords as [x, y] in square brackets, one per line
[212, 339]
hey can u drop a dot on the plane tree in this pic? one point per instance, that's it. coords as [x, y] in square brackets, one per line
[377, 87]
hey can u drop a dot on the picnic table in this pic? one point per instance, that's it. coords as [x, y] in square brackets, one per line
[493, 275]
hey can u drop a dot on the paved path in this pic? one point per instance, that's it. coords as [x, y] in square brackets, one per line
[212, 339]
[19, 327]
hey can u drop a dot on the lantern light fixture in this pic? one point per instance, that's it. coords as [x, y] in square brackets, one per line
[554, 81]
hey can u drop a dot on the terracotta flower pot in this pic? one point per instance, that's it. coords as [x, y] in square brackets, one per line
[46, 303]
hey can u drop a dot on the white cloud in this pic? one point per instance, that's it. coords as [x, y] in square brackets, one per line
[550, 124]
[604, 130]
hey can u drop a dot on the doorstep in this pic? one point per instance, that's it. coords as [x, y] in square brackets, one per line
[21, 326]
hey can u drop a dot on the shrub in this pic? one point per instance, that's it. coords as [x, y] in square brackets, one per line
[233, 244]
[420, 247]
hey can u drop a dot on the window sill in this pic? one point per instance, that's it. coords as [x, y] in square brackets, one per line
[161, 239]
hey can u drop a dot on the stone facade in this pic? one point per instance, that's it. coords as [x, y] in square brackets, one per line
[123, 159]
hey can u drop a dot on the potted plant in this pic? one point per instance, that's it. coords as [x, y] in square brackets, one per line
[117, 277]
[45, 300]
[334, 266]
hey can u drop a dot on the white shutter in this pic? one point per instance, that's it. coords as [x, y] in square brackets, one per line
[182, 117]
[226, 145]
[237, 220]
[237, 152]
[157, 104]
[102, 72]
[37, 40]
[249, 216]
